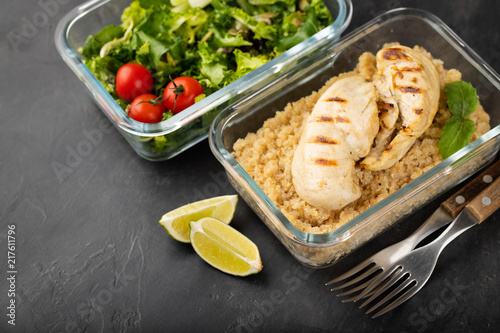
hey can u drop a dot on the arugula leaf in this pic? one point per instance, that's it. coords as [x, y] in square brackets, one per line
[458, 130]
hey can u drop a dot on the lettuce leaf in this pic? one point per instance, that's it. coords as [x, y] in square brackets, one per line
[93, 44]
[245, 63]
[297, 28]
[270, 2]
[213, 67]
[259, 28]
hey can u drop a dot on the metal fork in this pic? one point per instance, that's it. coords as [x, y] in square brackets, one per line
[367, 271]
[409, 274]
[382, 260]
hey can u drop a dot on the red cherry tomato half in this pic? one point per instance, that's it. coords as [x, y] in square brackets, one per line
[146, 109]
[133, 80]
[180, 93]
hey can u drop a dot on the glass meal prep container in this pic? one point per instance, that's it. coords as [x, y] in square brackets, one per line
[318, 65]
[190, 126]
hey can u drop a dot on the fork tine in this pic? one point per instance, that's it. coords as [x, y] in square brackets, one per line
[353, 290]
[355, 298]
[358, 288]
[369, 294]
[383, 286]
[352, 299]
[378, 280]
[358, 279]
[356, 269]
[400, 300]
[404, 283]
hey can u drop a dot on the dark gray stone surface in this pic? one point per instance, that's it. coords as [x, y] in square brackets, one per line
[91, 256]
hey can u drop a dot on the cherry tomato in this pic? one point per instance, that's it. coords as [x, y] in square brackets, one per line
[180, 93]
[133, 80]
[146, 109]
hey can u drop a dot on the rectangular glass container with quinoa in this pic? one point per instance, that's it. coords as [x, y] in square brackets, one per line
[166, 139]
[320, 246]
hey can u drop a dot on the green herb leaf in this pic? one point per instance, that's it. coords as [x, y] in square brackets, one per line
[457, 131]
[462, 98]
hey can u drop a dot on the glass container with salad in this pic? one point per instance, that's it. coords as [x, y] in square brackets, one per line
[148, 66]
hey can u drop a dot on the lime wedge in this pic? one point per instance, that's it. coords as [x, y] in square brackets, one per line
[224, 247]
[177, 221]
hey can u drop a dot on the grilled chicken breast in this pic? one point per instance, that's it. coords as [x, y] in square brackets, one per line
[339, 131]
[408, 86]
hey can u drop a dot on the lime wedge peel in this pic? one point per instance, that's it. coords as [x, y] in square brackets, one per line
[176, 222]
[224, 248]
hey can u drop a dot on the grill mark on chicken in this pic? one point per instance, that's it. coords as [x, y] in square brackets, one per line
[410, 90]
[410, 69]
[384, 107]
[335, 99]
[322, 139]
[342, 120]
[400, 74]
[325, 119]
[394, 54]
[325, 162]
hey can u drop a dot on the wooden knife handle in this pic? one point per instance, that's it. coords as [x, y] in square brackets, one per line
[486, 203]
[454, 204]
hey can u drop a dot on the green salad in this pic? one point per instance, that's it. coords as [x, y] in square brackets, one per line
[213, 41]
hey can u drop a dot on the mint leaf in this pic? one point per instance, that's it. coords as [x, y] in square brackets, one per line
[457, 133]
[462, 98]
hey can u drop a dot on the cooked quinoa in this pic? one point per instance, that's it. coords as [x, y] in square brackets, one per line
[267, 155]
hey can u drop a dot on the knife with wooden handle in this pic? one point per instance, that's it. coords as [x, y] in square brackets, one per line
[486, 203]
[461, 198]
[476, 211]
[451, 207]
